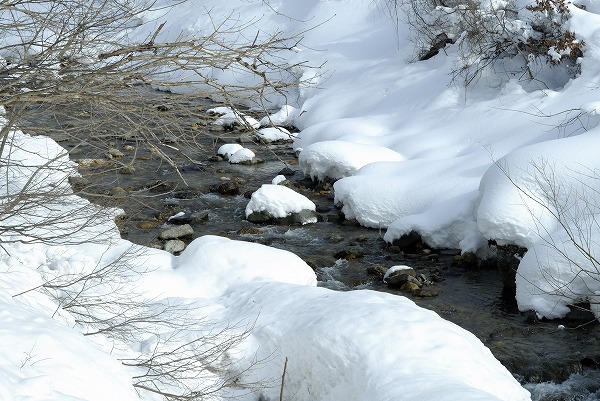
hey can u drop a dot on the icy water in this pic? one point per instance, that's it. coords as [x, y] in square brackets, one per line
[472, 297]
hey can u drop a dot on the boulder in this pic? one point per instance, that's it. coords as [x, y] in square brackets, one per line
[184, 230]
[174, 246]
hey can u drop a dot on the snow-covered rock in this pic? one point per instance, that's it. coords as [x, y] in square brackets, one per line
[279, 202]
[243, 155]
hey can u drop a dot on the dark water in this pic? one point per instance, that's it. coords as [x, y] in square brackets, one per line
[471, 297]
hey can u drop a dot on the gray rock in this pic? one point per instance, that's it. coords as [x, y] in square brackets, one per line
[127, 170]
[199, 216]
[114, 153]
[228, 188]
[174, 246]
[184, 230]
[350, 253]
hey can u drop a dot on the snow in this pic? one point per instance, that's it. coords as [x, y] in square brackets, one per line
[273, 134]
[338, 159]
[286, 116]
[394, 269]
[229, 149]
[241, 156]
[229, 117]
[411, 151]
[278, 201]
[236, 153]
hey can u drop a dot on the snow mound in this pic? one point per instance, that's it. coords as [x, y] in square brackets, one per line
[229, 149]
[285, 116]
[274, 134]
[380, 193]
[241, 156]
[383, 347]
[278, 201]
[229, 117]
[338, 159]
[447, 224]
[210, 265]
[523, 193]
[545, 197]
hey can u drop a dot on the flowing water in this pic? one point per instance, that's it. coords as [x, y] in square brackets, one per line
[472, 297]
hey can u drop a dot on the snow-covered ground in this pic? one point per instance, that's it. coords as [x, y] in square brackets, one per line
[500, 159]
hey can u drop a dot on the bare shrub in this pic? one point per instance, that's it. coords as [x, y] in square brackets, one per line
[486, 32]
[68, 68]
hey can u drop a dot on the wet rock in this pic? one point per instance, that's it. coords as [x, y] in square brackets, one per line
[394, 249]
[259, 217]
[425, 293]
[378, 271]
[449, 252]
[189, 193]
[162, 186]
[470, 259]
[174, 246]
[350, 253]
[286, 171]
[323, 208]
[410, 242]
[145, 225]
[118, 192]
[180, 218]
[398, 280]
[114, 153]
[190, 167]
[199, 217]
[78, 183]
[249, 231]
[508, 258]
[409, 286]
[184, 230]
[305, 216]
[127, 170]
[430, 256]
[87, 163]
[230, 188]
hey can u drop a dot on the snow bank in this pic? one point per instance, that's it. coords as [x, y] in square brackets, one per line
[364, 345]
[211, 265]
[285, 116]
[545, 197]
[338, 159]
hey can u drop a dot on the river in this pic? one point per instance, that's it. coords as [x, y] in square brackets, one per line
[150, 191]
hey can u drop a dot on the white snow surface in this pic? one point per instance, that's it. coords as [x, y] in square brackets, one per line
[278, 200]
[241, 155]
[286, 116]
[460, 156]
[273, 134]
[229, 149]
[339, 159]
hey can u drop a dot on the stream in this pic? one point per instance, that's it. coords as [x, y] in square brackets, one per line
[344, 255]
